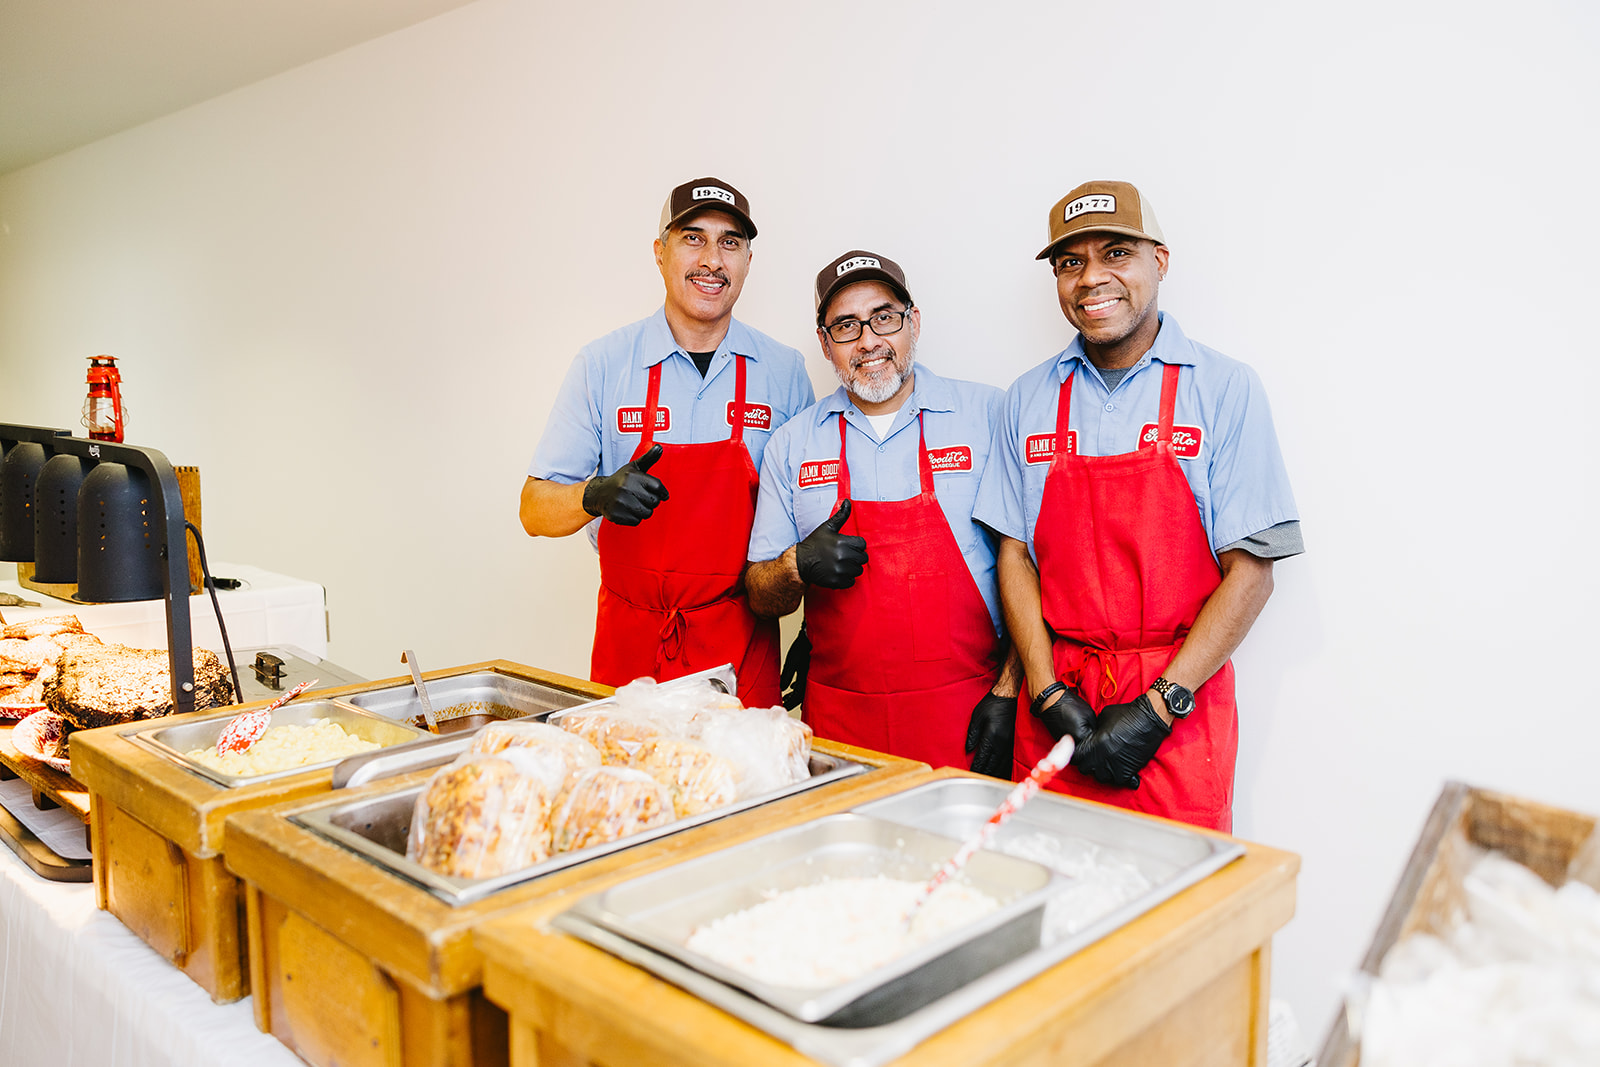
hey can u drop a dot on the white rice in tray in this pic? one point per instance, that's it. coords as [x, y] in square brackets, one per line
[836, 930]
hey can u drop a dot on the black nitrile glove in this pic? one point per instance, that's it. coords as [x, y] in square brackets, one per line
[627, 495]
[1125, 739]
[796, 665]
[1069, 714]
[829, 558]
[991, 734]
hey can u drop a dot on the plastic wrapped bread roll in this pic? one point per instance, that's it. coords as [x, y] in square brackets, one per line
[767, 748]
[674, 708]
[697, 779]
[616, 734]
[608, 803]
[561, 754]
[482, 816]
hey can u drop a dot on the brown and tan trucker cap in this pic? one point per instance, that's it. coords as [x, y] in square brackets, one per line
[705, 194]
[859, 265]
[1102, 207]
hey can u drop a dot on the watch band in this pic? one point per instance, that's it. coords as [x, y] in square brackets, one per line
[1037, 707]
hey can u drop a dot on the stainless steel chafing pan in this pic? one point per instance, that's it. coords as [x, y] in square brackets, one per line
[174, 741]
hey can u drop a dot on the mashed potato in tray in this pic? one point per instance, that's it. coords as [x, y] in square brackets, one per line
[286, 746]
[782, 941]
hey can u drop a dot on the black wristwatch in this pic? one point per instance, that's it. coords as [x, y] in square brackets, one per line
[1180, 702]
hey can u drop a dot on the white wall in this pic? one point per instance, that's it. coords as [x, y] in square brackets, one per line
[348, 293]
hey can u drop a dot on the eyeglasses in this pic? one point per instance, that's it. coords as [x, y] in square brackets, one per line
[883, 324]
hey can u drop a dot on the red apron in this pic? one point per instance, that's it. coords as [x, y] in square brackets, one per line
[672, 600]
[1124, 568]
[900, 659]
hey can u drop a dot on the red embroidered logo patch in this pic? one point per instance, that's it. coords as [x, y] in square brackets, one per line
[954, 458]
[1041, 447]
[1185, 439]
[631, 420]
[756, 416]
[819, 472]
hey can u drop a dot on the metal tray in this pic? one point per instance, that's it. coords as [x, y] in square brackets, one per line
[484, 693]
[375, 828]
[1173, 857]
[660, 910]
[435, 750]
[174, 741]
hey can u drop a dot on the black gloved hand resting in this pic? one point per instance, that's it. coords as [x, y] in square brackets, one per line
[628, 494]
[1069, 714]
[1125, 739]
[796, 666]
[991, 733]
[829, 558]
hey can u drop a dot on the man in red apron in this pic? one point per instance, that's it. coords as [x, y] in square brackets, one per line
[654, 444]
[866, 514]
[1141, 498]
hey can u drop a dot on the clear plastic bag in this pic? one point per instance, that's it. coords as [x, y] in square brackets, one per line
[615, 733]
[607, 803]
[697, 779]
[483, 816]
[560, 754]
[766, 746]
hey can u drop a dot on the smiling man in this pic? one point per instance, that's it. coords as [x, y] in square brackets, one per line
[654, 444]
[1141, 500]
[866, 515]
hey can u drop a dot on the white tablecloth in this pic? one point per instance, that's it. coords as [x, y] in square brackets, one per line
[268, 610]
[77, 989]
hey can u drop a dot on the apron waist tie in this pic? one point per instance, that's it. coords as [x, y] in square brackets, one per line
[1104, 665]
[671, 638]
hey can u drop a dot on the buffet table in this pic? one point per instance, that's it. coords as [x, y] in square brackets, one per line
[268, 609]
[78, 988]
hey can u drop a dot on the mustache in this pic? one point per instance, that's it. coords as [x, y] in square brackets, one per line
[702, 272]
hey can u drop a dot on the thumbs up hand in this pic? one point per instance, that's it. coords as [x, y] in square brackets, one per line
[629, 494]
[829, 558]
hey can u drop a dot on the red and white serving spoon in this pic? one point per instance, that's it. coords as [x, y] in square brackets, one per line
[1046, 769]
[247, 727]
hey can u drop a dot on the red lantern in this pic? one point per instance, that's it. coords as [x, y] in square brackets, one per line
[102, 411]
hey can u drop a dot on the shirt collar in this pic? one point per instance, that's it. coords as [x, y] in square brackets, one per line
[1171, 346]
[661, 345]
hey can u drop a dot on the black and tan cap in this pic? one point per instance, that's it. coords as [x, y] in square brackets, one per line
[705, 194]
[858, 265]
[1102, 207]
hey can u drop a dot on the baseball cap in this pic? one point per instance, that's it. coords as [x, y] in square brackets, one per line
[858, 265]
[1102, 207]
[705, 194]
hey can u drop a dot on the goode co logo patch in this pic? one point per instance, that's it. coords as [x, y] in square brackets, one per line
[818, 472]
[952, 459]
[1185, 439]
[756, 416]
[1041, 447]
[631, 420]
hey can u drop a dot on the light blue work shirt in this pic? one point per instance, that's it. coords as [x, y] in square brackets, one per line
[958, 421]
[597, 421]
[1236, 472]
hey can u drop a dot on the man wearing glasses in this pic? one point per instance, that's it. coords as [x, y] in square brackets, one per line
[866, 514]
[1141, 498]
[655, 443]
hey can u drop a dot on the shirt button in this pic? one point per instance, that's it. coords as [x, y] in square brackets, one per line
[880, 448]
[1111, 407]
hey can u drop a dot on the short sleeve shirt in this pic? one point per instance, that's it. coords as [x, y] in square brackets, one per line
[598, 418]
[799, 476]
[1226, 444]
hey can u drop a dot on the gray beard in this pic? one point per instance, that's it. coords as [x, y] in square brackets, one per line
[871, 391]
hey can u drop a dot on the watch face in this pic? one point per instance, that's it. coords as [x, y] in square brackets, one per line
[1179, 701]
